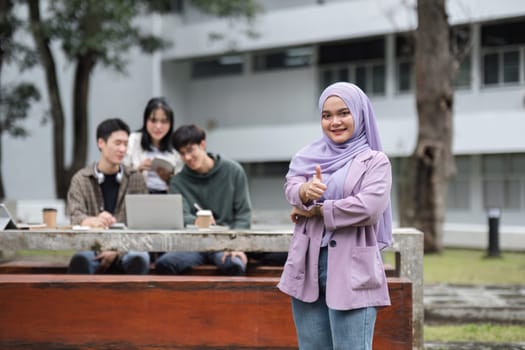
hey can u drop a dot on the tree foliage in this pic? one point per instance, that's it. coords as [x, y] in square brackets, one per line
[228, 8]
[91, 33]
[15, 98]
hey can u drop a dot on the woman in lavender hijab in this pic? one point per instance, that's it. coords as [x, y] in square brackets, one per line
[339, 188]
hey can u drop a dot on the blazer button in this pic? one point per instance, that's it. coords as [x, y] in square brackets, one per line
[333, 243]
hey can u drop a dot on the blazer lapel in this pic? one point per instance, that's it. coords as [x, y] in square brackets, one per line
[357, 168]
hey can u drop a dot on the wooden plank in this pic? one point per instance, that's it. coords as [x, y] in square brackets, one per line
[161, 312]
[55, 267]
[394, 323]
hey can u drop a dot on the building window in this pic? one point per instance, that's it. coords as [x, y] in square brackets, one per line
[511, 66]
[504, 181]
[360, 62]
[405, 50]
[490, 68]
[503, 46]
[458, 196]
[289, 58]
[266, 169]
[460, 46]
[462, 78]
[501, 67]
[405, 62]
[220, 66]
[405, 75]
[378, 79]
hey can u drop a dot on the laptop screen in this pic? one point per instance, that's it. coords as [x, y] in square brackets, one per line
[6, 220]
[154, 211]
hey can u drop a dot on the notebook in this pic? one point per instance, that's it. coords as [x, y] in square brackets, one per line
[6, 220]
[154, 211]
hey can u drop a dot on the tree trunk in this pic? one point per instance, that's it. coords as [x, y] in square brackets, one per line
[6, 33]
[84, 68]
[62, 174]
[2, 189]
[423, 201]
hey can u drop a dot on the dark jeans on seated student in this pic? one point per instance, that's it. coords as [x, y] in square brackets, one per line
[174, 263]
[269, 259]
[130, 263]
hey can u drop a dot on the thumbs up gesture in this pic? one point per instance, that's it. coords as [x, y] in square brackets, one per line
[318, 173]
[313, 189]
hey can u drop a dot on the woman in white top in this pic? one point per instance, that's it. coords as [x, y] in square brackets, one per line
[151, 146]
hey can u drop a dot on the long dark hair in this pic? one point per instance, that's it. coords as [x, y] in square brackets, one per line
[154, 104]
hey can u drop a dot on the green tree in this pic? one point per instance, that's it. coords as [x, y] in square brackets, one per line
[15, 98]
[90, 33]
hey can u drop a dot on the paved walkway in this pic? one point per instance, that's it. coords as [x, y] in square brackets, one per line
[452, 303]
[474, 346]
[460, 304]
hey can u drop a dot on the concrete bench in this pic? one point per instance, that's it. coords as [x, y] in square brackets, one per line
[159, 312]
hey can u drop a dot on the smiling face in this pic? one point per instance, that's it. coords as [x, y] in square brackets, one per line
[336, 120]
[195, 157]
[158, 125]
[114, 149]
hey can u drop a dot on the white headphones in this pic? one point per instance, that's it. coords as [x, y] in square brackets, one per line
[100, 176]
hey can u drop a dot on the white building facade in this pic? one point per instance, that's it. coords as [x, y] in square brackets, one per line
[257, 95]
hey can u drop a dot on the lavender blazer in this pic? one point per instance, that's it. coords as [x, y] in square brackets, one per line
[356, 276]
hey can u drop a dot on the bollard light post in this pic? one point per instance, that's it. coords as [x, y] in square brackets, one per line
[494, 215]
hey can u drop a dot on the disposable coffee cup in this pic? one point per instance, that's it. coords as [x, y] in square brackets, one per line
[203, 219]
[49, 216]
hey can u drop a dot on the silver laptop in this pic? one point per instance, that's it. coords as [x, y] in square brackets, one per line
[6, 220]
[154, 211]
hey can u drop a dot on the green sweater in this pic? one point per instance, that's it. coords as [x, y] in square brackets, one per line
[223, 190]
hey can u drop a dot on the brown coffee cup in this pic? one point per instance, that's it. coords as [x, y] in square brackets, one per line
[49, 216]
[203, 219]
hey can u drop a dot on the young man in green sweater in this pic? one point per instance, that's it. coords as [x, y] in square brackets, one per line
[211, 182]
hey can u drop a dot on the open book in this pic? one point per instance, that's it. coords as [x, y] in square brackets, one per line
[162, 163]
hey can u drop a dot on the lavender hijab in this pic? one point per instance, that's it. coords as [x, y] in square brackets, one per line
[335, 158]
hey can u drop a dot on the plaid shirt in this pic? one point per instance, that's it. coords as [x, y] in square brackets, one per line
[84, 197]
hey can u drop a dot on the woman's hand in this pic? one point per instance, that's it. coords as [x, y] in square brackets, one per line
[106, 259]
[233, 254]
[145, 165]
[313, 189]
[164, 174]
[297, 213]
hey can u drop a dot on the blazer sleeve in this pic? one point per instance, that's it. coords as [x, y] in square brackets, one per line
[291, 191]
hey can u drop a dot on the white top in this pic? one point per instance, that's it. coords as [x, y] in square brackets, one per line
[135, 155]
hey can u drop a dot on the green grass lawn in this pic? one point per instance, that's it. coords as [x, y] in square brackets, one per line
[475, 332]
[462, 266]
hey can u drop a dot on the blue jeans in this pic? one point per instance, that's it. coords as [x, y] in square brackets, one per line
[174, 263]
[321, 328]
[131, 263]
